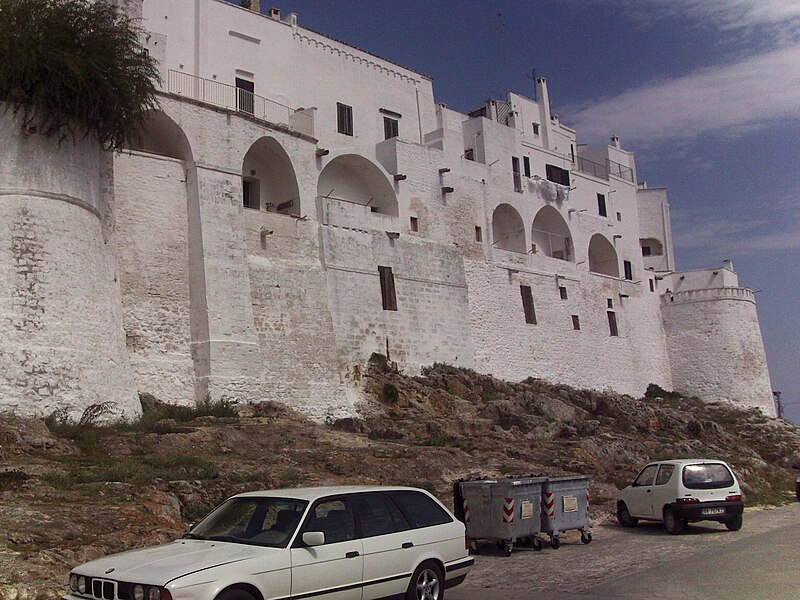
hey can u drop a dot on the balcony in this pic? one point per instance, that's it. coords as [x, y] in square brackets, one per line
[339, 212]
[602, 171]
[233, 98]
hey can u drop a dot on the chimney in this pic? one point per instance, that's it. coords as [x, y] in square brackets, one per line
[615, 141]
[543, 98]
[275, 13]
[727, 264]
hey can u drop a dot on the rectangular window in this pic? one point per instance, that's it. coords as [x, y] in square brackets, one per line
[572, 152]
[601, 205]
[619, 216]
[646, 251]
[562, 291]
[652, 286]
[388, 294]
[527, 304]
[414, 223]
[535, 129]
[478, 234]
[245, 95]
[609, 303]
[557, 174]
[469, 154]
[576, 322]
[247, 194]
[526, 165]
[612, 323]
[391, 128]
[628, 266]
[517, 175]
[344, 118]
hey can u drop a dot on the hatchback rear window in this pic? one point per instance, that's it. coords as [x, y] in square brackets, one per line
[420, 510]
[708, 476]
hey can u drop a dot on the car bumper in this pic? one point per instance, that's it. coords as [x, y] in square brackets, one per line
[700, 511]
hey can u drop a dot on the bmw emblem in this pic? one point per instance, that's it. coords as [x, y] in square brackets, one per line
[109, 570]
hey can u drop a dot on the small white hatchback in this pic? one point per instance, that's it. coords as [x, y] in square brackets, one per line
[337, 543]
[682, 491]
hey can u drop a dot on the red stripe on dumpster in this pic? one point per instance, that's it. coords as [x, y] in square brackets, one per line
[508, 510]
[466, 511]
[549, 503]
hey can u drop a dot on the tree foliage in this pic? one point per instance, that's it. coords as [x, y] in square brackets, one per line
[75, 68]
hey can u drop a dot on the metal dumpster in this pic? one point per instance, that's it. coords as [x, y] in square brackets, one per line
[504, 511]
[565, 506]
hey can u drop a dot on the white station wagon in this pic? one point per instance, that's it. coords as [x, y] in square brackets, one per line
[682, 491]
[336, 543]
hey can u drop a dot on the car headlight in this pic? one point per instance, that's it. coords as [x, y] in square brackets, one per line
[81, 585]
[73, 582]
[138, 592]
[158, 593]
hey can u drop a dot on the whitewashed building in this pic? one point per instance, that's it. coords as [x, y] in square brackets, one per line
[298, 204]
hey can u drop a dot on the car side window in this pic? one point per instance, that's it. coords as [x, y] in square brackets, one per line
[419, 509]
[664, 474]
[646, 476]
[376, 515]
[333, 518]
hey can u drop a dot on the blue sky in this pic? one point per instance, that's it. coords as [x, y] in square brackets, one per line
[706, 92]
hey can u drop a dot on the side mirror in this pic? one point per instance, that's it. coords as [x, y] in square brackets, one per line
[313, 538]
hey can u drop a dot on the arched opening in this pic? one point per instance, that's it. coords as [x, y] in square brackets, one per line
[508, 230]
[550, 235]
[355, 180]
[651, 247]
[161, 135]
[268, 179]
[602, 256]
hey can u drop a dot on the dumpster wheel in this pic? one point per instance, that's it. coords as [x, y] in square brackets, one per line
[508, 548]
[586, 537]
[555, 542]
[537, 543]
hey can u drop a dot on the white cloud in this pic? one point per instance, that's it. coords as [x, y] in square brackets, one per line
[728, 100]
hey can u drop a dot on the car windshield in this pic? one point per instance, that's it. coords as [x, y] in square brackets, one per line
[707, 476]
[252, 520]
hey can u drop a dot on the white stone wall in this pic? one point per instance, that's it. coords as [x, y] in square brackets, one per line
[60, 316]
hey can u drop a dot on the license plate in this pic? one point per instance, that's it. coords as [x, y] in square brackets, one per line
[712, 511]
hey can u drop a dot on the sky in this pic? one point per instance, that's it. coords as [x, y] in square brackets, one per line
[705, 92]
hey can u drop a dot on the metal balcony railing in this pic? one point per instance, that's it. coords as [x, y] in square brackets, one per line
[603, 171]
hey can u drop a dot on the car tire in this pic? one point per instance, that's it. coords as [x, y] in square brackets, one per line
[234, 594]
[624, 516]
[427, 583]
[672, 522]
[734, 523]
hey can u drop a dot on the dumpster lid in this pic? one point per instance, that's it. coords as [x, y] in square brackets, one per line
[569, 478]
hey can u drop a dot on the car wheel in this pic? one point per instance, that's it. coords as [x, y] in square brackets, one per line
[427, 583]
[624, 516]
[672, 522]
[734, 523]
[235, 594]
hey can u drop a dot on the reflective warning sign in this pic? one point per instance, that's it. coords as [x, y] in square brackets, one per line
[570, 504]
[527, 509]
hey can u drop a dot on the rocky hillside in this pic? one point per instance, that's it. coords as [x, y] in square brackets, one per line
[72, 492]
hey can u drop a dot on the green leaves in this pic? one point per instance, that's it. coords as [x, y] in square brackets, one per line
[73, 68]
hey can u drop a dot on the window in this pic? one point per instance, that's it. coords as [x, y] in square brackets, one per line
[628, 267]
[576, 322]
[535, 129]
[664, 474]
[414, 223]
[601, 205]
[388, 294]
[612, 324]
[652, 286]
[708, 476]
[334, 519]
[557, 174]
[572, 152]
[391, 128]
[646, 476]
[562, 291]
[419, 509]
[609, 303]
[469, 154]
[619, 216]
[344, 118]
[378, 515]
[526, 165]
[527, 304]
[249, 197]
[478, 233]
[646, 251]
[517, 176]
[245, 95]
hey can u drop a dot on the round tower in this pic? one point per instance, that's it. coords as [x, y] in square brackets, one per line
[62, 343]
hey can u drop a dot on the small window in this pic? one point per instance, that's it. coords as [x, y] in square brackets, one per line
[526, 165]
[707, 476]
[469, 154]
[619, 216]
[344, 118]
[609, 303]
[664, 474]
[527, 304]
[516, 173]
[612, 324]
[572, 152]
[601, 205]
[557, 174]
[646, 251]
[652, 286]
[628, 266]
[391, 128]
[478, 233]
[420, 509]
[535, 129]
[388, 294]
[334, 519]
[562, 291]
[414, 223]
[377, 515]
[576, 322]
[245, 96]
[646, 477]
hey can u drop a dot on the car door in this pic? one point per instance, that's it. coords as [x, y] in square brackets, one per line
[389, 544]
[663, 489]
[334, 570]
[641, 493]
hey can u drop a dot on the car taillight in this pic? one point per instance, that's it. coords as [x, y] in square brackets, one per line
[687, 501]
[734, 498]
